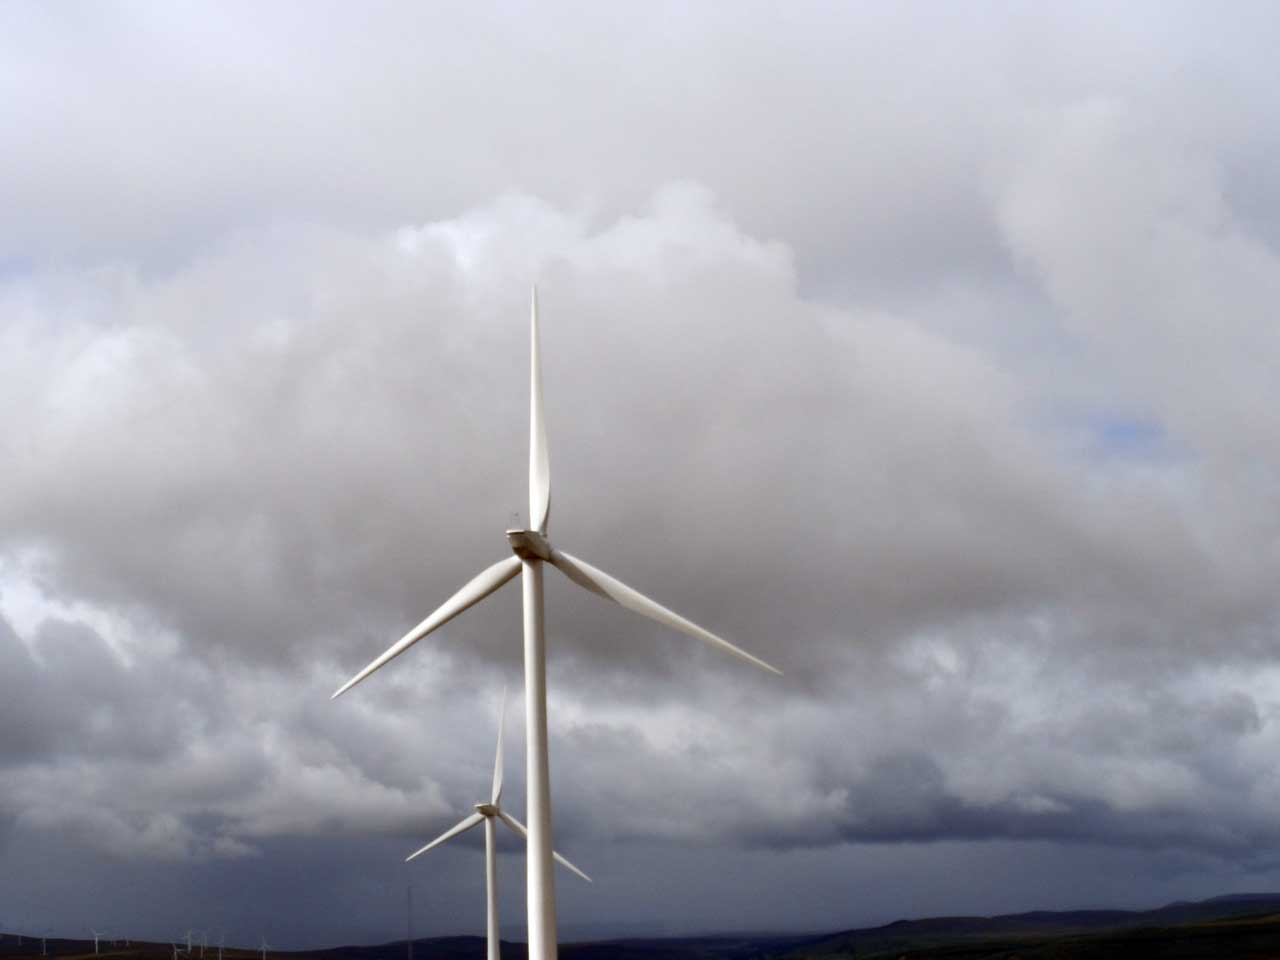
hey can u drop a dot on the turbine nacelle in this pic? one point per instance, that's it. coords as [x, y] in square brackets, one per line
[529, 545]
[487, 809]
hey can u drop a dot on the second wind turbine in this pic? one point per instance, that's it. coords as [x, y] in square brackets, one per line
[532, 549]
[487, 813]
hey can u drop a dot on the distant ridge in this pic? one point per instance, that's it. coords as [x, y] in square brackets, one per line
[1036, 924]
[1230, 925]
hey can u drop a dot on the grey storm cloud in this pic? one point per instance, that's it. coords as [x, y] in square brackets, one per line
[925, 353]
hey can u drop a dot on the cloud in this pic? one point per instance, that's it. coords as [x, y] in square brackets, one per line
[270, 492]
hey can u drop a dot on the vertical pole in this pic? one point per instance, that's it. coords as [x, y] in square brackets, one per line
[491, 888]
[541, 888]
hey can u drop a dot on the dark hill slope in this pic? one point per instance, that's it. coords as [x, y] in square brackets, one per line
[1244, 926]
[1015, 934]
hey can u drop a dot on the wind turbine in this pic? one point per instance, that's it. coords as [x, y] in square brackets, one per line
[487, 813]
[264, 946]
[96, 935]
[532, 549]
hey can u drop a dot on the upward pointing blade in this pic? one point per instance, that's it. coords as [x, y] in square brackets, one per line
[497, 760]
[480, 586]
[453, 831]
[518, 827]
[539, 467]
[597, 581]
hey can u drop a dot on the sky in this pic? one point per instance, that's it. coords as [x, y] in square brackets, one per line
[928, 352]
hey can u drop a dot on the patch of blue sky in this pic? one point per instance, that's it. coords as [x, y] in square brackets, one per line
[1114, 436]
[1131, 440]
[1118, 435]
[12, 268]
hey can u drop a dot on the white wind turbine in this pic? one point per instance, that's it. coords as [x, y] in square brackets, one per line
[487, 813]
[531, 550]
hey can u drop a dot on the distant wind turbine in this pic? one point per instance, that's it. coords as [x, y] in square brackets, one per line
[265, 946]
[532, 549]
[487, 813]
[96, 935]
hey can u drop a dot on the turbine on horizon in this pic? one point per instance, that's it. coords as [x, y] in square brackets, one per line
[487, 813]
[532, 549]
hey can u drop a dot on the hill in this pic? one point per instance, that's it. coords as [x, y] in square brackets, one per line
[1217, 921]
[1240, 925]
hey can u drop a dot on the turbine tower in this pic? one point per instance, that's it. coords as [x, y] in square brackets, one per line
[532, 550]
[488, 813]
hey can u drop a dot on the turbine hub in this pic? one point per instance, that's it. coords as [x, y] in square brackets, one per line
[487, 809]
[529, 545]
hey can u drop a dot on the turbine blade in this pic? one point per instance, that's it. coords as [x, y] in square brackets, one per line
[569, 866]
[539, 466]
[476, 590]
[518, 827]
[453, 831]
[597, 581]
[497, 760]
